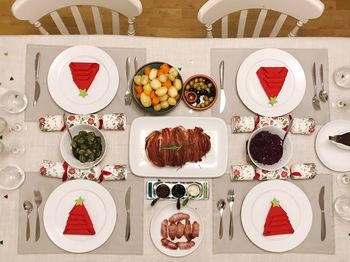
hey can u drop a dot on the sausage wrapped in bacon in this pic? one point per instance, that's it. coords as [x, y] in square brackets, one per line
[178, 216]
[169, 244]
[185, 245]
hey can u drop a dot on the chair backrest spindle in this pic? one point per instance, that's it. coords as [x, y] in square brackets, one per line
[224, 27]
[278, 25]
[97, 20]
[59, 23]
[260, 22]
[241, 23]
[115, 23]
[78, 20]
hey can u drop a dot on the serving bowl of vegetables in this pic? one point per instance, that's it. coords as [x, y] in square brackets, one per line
[86, 149]
[200, 92]
[157, 87]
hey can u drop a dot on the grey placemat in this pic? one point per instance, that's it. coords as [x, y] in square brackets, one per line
[114, 245]
[46, 105]
[233, 59]
[240, 242]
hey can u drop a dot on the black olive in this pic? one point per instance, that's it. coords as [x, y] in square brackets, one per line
[198, 101]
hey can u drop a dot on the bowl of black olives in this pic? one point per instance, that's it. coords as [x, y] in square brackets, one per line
[86, 149]
[200, 92]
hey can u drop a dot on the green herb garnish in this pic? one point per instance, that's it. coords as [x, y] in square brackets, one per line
[174, 148]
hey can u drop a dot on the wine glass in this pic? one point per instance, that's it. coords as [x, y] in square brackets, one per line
[15, 149]
[11, 177]
[342, 207]
[18, 126]
[13, 101]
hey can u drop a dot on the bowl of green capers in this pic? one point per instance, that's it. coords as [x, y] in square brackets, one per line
[86, 149]
[200, 92]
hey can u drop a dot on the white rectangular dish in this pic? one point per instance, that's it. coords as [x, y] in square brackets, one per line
[212, 165]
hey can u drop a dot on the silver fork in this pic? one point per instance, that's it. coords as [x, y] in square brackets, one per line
[38, 199]
[230, 199]
[127, 97]
[315, 99]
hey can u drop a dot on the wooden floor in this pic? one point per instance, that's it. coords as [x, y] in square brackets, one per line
[178, 18]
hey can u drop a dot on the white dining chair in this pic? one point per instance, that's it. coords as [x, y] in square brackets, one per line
[34, 10]
[302, 10]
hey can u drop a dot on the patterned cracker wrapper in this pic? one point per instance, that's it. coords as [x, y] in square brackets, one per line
[280, 121]
[242, 172]
[116, 121]
[114, 172]
[51, 123]
[89, 174]
[303, 171]
[282, 173]
[92, 119]
[52, 169]
[242, 124]
[304, 126]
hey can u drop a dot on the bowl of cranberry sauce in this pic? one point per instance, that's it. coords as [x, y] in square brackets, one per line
[265, 148]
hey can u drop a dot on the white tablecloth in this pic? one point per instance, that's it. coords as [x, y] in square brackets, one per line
[194, 57]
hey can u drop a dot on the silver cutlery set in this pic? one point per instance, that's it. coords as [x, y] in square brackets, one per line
[322, 95]
[221, 204]
[28, 207]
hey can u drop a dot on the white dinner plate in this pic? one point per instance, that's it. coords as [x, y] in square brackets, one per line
[98, 203]
[64, 91]
[257, 204]
[330, 154]
[212, 165]
[167, 212]
[252, 93]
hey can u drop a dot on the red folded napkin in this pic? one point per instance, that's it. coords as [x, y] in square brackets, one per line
[79, 222]
[83, 75]
[272, 80]
[277, 221]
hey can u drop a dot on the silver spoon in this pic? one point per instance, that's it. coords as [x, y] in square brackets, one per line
[28, 206]
[287, 132]
[323, 95]
[221, 206]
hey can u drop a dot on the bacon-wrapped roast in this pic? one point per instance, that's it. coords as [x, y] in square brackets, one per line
[176, 146]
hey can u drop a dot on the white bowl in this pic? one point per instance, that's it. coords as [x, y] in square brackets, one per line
[66, 148]
[287, 148]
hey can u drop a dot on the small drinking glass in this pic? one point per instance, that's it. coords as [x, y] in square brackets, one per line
[11, 177]
[342, 207]
[343, 180]
[341, 104]
[341, 77]
[13, 101]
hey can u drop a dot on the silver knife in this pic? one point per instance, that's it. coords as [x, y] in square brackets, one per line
[222, 92]
[37, 85]
[136, 66]
[127, 207]
[323, 219]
